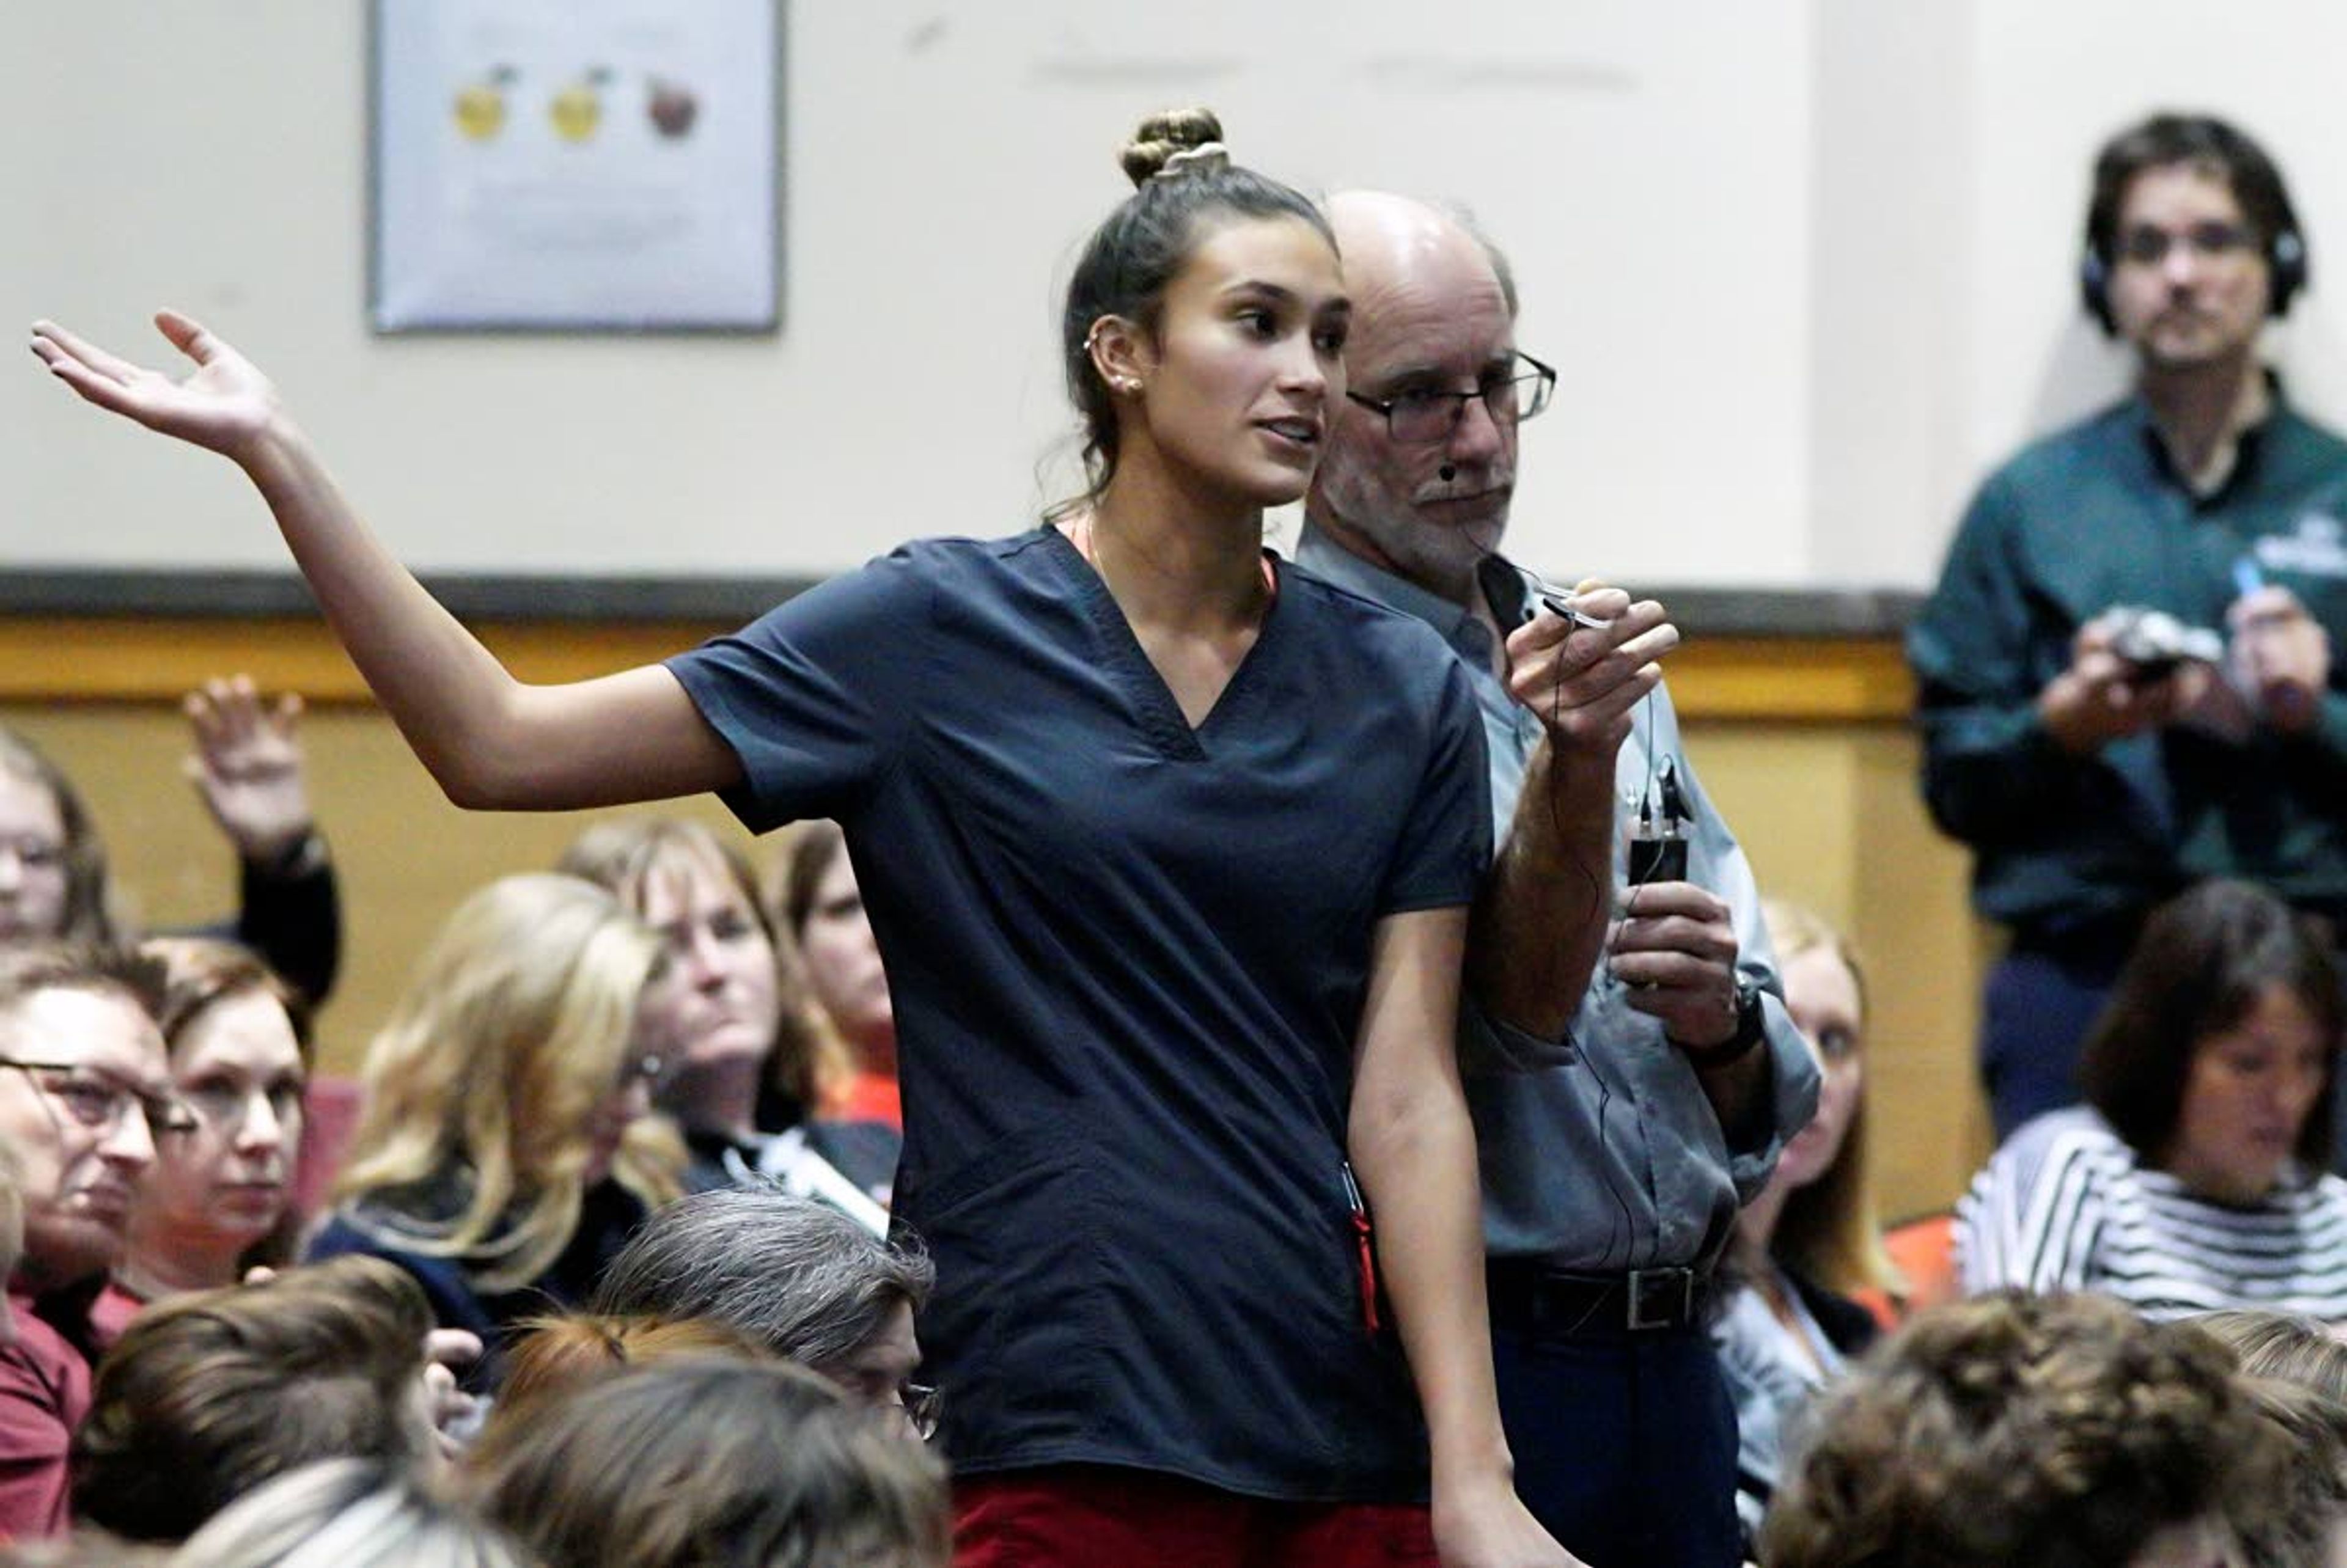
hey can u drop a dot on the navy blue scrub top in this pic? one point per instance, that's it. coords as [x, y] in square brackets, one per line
[1128, 961]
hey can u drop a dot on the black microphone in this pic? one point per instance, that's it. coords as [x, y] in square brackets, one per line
[1449, 471]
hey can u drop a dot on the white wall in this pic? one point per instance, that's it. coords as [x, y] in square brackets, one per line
[1805, 264]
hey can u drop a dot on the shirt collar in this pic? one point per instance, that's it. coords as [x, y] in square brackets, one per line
[1323, 557]
[2248, 436]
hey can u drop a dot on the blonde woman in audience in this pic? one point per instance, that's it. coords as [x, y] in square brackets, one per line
[218, 1199]
[349, 1514]
[2056, 1431]
[703, 1460]
[503, 1152]
[2196, 1175]
[1808, 1246]
[820, 913]
[211, 1392]
[748, 1077]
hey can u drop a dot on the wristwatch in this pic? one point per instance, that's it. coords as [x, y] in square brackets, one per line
[1751, 1028]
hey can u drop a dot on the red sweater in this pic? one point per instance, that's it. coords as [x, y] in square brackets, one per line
[44, 1395]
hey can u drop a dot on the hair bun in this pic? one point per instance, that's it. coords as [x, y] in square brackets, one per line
[1163, 137]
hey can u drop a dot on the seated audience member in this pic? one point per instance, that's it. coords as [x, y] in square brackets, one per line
[796, 1277]
[1807, 1243]
[549, 1357]
[749, 1068]
[707, 1460]
[84, 1098]
[2195, 1175]
[349, 1514]
[216, 1202]
[211, 1392]
[247, 765]
[820, 914]
[2058, 1431]
[504, 1154]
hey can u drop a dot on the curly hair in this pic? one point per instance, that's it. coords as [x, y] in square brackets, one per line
[2061, 1432]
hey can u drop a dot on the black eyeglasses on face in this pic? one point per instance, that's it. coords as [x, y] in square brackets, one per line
[1423, 416]
[100, 1101]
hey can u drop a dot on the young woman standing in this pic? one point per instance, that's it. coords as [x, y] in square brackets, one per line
[1168, 848]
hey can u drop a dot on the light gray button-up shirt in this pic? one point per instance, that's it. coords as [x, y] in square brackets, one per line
[1600, 1153]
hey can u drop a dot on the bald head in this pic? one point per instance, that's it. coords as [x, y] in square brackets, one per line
[1387, 238]
[1431, 315]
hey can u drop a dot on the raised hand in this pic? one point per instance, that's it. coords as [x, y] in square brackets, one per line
[226, 403]
[247, 765]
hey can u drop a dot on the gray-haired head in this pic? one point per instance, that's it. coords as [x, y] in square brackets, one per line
[792, 1273]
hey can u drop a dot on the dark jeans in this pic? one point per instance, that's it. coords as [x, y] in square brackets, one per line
[1624, 1444]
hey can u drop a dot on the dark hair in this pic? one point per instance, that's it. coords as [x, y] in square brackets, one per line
[2199, 967]
[697, 1460]
[794, 1276]
[209, 1394]
[201, 970]
[89, 913]
[1139, 249]
[2061, 1432]
[2167, 139]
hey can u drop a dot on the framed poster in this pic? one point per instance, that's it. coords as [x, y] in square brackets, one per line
[576, 165]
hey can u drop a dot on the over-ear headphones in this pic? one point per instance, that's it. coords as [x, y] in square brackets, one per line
[2285, 272]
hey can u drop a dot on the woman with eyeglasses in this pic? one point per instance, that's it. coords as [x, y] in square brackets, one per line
[504, 1153]
[1169, 847]
[218, 1199]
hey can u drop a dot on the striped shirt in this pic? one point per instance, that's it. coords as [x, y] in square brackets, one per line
[2067, 1205]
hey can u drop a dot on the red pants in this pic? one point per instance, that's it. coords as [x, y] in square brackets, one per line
[1084, 1516]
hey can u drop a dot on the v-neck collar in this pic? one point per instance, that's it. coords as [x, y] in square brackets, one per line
[1153, 703]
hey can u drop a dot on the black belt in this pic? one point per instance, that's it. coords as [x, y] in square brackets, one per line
[1537, 1299]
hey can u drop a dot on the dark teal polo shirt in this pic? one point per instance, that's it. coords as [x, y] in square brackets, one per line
[2091, 518]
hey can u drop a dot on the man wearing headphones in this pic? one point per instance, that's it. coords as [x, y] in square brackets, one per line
[2126, 676]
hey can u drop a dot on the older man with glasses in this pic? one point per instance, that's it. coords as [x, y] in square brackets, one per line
[1630, 1066]
[84, 1096]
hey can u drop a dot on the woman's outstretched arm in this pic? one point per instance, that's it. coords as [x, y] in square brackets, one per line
[489, 740]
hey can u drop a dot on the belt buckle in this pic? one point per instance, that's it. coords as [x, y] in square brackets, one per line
[1661, 1298]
